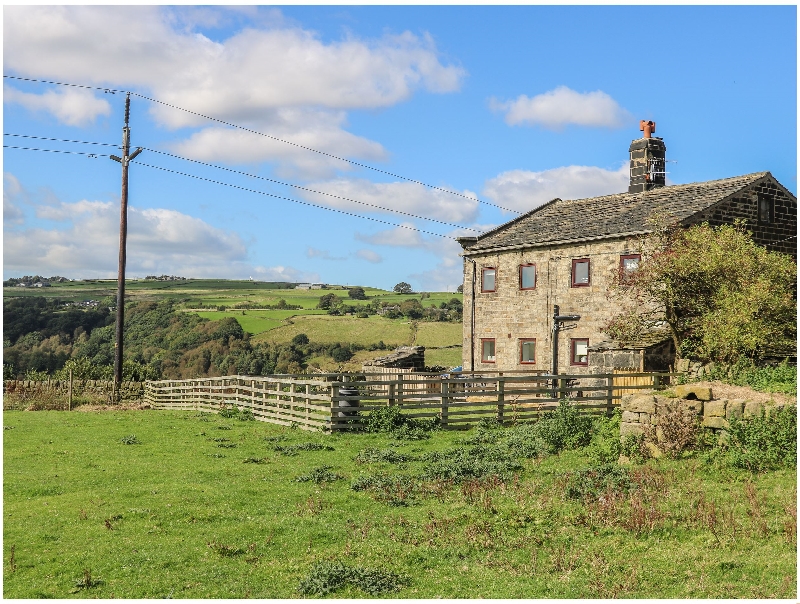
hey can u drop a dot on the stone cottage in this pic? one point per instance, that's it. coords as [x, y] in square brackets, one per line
[565, 253]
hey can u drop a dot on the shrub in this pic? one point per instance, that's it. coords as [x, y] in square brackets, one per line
[679, 431]
[593, 482]
[327, 577]
[781, 378]
[373, 455]
[130, 440]
[394, 490]
[319, 475]
[389, 420]
[605, 446]
[564, 428]
[765, 442]
[477, 462]
[291, 450]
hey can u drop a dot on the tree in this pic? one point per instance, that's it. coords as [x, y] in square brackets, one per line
[412, 308]
[327, 301]
[357, 293]
[722, 297]
[402, 288]
[460, 289]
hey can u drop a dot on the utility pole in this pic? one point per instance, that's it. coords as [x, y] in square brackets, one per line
[127, 156]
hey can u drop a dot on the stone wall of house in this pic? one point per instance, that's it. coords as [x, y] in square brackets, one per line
[641, 413]
[510, 314]
[778, 234]
[94, 388]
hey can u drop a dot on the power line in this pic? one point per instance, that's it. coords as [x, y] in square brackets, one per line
[305, 203]
[61, 140]
[275, 138]
[58, 151]
[288, 184]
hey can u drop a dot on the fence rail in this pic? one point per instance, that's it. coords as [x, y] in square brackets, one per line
[334, 402]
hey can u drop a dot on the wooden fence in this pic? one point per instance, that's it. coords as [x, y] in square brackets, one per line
[328, 401]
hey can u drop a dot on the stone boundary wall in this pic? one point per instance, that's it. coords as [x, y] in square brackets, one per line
[96, 388]
[641, 412]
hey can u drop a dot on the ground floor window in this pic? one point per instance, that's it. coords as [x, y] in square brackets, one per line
[579, 349]
[527, 350]
[487, 350]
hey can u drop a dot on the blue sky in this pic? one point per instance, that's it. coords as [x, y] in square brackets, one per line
[509, 106]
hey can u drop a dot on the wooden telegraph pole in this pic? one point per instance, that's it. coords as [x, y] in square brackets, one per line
[127, 156]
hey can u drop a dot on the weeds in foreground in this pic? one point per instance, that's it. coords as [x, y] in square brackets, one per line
[86, 581]
[755, 512]
[226, 551]
[328, 577]
[12, 562]
[130, 440]
[765, 442]
[291, 450]
[319, 475]
[389, 420]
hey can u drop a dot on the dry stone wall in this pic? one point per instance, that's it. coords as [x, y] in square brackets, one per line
[645, 413]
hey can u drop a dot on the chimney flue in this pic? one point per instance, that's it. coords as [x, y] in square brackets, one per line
[647, 127]
[648, 160]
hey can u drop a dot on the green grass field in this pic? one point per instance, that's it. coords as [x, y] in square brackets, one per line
[258, 321]
[180, 516]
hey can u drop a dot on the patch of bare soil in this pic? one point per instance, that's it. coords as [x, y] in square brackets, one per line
[114, 407]
[720, 390]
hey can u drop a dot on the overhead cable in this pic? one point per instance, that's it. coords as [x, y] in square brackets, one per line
[305, 203]
[275, 138]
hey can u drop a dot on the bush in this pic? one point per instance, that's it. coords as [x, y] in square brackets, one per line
[564, 428]
[766, 442]
[389, 420]
[327, 577]
[781, 378]
[319, 475]
[477, 462]
[605, 446]
[593, 482]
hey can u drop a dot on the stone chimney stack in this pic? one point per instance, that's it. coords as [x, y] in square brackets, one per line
[648, 160]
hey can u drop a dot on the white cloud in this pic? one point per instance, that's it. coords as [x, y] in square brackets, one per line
[12, 189]
[265, 68]
[160, 241]
[285, 273]
[321, 130]
[523, 190]
[408, 197]
[324, 254]
[563, 106]
[72, 107]
[369, 256]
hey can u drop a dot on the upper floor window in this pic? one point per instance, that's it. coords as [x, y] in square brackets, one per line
[488, 279]
[765, 209]
[487, 350]
[527, 351]
[579, 351]
[527, 276]
[580, 272]
[628, 264]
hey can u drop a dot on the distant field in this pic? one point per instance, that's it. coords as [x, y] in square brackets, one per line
[215, 292]
[329, 329]
[257, 321]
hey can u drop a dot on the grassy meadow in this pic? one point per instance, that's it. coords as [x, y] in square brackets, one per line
[200, 506]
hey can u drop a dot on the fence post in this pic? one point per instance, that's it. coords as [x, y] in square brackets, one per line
[69, 392]
[501, 397]
[392, 388]
[334, 405]
[445, 402]
[656, 381]
[610, 394]
[562, 388]
[399, 392]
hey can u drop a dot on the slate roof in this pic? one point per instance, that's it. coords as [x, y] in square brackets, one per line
[621, 214]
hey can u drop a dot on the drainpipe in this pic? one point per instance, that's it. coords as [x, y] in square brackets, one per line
[472, 321]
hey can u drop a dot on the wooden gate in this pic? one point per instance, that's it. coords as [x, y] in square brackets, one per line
[629, 384]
